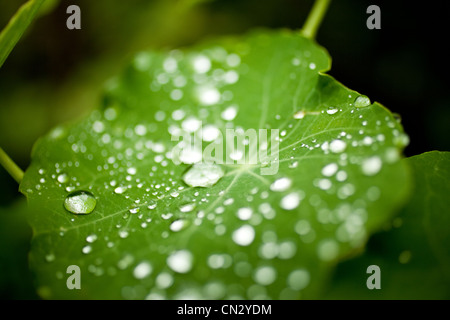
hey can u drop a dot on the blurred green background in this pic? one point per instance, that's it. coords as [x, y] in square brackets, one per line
[55, 75]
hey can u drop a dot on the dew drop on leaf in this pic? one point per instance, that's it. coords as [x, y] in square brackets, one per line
[203, 175]
[80, 202]
[362, 101]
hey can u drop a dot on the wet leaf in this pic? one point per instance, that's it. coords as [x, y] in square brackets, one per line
[414, 254]
[252, 225]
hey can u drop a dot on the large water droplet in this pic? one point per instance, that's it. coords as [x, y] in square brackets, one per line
[80, 202]
[203, 175]
[362, 101]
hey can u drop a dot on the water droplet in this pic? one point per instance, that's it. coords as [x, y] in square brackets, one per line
[327, 250]
[190, 155]
[312, 66]
[63, 178]
[209, 96]
[210, 133]
[337, 146]
[201, 64]
[281, 184]
[329, 169]
[134, 210]
[229, 113]
[86, 249]
[120, 190]
[298, 279]
[142, 270]
[244, 236]
[371, 166]
[265, 275]
[299, 114]
[178, 225]
[332, 110]
[80, 202]
[164, 280]
[203, 175]
[291, 201]
[91, 238]
[187, 207]
[180, 261]
[362, 101]
[244, 213]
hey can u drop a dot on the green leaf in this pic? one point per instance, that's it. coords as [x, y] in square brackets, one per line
[11, 34]
[414, 254]
[152, 235]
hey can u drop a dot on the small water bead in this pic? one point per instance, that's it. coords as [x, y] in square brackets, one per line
[327, 250]
[210, 133]
[180, 261]
[142, 270]
[291, 201]
[201, 64]
[265, 275]
[362, 101]
[80, 202]
[164, 280]
[63, 178]
[298, 279]
[337, 146]
[281, 184]
[209, 96]
[178, 225]
[187, 207]
[299, 114]
[86, 249]
[332, 110]
[244, 213]
[120, 190]
[91, 238]
[329, 169]
[134, 210]
[371, 166]
[203, 175]
[229, 113]
[244, 235]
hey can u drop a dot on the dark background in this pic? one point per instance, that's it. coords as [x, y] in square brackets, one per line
[55, 75]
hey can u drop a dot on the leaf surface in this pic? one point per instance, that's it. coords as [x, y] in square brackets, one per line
[267, 228]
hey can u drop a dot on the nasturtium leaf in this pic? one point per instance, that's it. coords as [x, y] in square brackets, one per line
[414, 253]
[253, 224]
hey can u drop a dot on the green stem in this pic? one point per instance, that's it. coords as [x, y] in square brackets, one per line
[314, 19]
[10, 166]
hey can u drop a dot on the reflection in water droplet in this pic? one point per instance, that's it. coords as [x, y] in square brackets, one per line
[80, 202]
[203, 175]
[362, 101]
